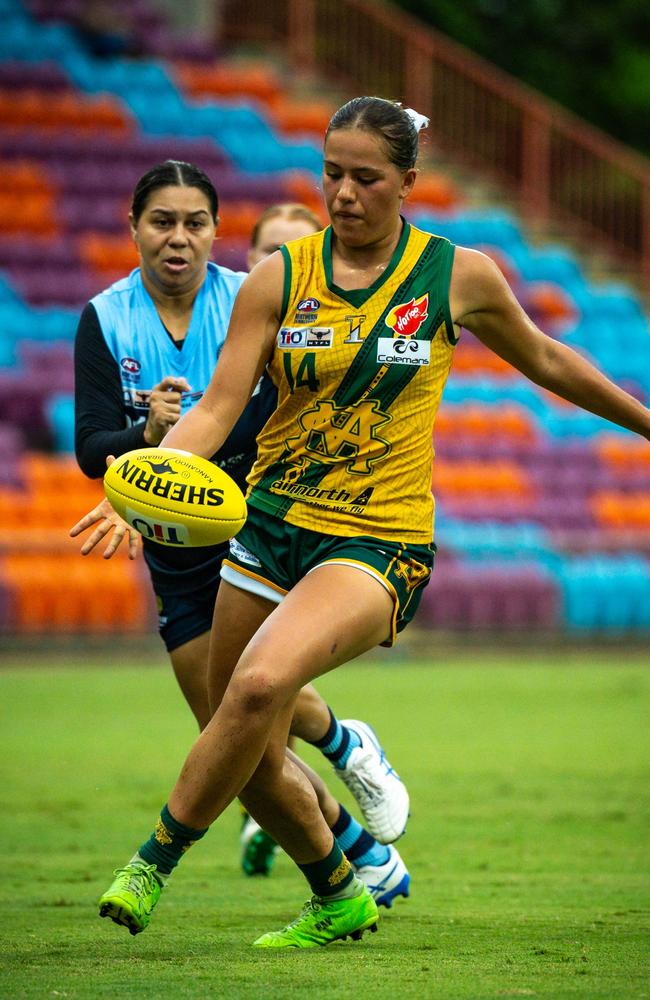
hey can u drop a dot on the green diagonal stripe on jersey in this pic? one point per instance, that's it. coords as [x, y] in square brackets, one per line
[363, 371]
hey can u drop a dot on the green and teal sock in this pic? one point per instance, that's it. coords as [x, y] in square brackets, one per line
[359, 846]
[168, 843]
[333, 876]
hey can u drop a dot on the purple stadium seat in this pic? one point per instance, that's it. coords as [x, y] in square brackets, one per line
[563, 512]
[231, 253]
[54, 359]
[91, 178]
[35, 252]
[55, 285]
[484, 508]
[99, 214]
[23, 407]
[12, 446]
[233, 186]
[167, 45]
[15, 75]
[464, 597]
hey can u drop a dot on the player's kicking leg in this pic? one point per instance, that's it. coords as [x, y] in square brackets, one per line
[358, 758]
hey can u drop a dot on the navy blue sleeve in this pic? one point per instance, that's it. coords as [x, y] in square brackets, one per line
[101, 427]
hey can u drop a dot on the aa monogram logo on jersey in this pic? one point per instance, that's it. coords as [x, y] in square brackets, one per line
[334, 434]
[413, 573]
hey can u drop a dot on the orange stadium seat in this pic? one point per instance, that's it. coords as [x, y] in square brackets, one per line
[67, 593]
[229, 80]
[623, 453]
[111, 256]
[622, 510]
[238, 218]
[293, 116]
[44, 472]
[515, 423]
[502, 479]
[434, 190]
[551, 302]
[68, 110]
[473, 358]
[23, 178]
[37, 215]
[303, 187]
[474, 420]
[103, 113]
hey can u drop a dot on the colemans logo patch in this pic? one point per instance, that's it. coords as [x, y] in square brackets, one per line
[406, 319]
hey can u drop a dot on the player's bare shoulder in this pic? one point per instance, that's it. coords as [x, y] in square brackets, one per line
[477, 283]
[260, 296]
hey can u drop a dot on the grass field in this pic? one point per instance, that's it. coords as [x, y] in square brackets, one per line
[529, 842]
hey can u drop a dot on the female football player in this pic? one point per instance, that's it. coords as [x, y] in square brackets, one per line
[357, 326]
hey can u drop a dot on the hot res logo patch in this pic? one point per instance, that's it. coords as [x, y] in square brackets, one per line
[407, 318]
[403, 348]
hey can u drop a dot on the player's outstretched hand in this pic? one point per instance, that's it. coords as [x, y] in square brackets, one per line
[107, 520]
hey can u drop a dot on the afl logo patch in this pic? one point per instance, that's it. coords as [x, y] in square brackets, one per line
[308, 305]
[131, 368]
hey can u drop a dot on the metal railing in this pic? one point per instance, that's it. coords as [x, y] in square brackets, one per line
[555, 164]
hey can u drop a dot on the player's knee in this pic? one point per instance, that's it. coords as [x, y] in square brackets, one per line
[256, 690]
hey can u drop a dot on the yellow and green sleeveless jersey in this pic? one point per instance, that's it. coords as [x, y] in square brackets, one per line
[360, 375]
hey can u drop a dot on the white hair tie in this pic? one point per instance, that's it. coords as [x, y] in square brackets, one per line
[419, 121]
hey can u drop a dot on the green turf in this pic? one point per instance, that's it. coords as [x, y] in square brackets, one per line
[528, 845]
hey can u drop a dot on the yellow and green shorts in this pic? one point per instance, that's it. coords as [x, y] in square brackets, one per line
[269, 556]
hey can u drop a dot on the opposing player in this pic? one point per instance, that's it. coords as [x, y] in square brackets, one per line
[144, 353]
[340, 508]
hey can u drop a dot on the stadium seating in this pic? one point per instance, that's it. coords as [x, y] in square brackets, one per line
[543, 511]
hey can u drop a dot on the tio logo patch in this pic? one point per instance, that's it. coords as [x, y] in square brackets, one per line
[164, 532]
[305, 336]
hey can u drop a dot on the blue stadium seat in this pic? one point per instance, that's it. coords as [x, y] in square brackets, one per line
[60, 414]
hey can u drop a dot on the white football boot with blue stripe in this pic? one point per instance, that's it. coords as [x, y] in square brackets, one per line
[386, 881]
[378, 790]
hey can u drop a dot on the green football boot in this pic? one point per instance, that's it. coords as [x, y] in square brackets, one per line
[322, 921]
[132, 896]
[258, 849]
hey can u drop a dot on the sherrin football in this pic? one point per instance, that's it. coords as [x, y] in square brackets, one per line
[175, 498]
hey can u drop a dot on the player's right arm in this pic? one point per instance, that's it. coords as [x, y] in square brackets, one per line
[249, 342]
[100, 424]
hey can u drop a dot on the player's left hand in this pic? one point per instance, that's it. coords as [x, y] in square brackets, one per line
[109, 521]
